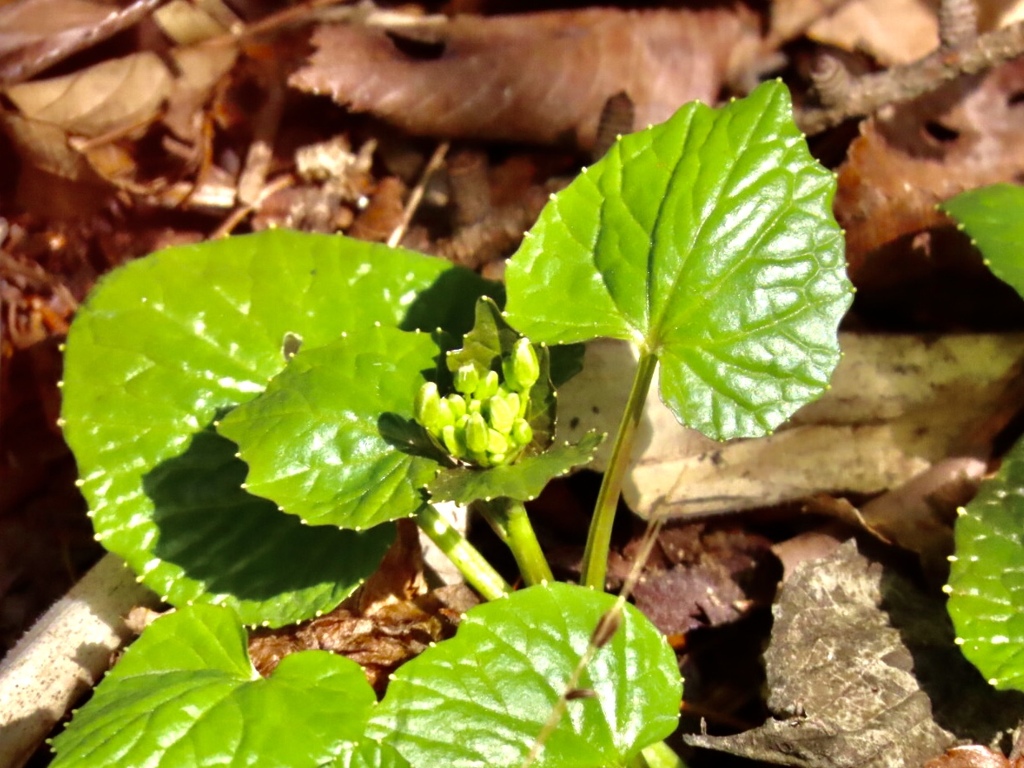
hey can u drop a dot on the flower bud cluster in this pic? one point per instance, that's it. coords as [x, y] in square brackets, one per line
[484, 421]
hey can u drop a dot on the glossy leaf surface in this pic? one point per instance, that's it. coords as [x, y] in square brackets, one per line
[332, 439]
[992, 217]
[481, 698]
[167, 344]
[986, 581]
[708, 240]
[185, 695]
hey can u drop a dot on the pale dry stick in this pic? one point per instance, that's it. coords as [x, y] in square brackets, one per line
[958, 23]
[605, 630]
[252, 179]
[435, 162]
[238, 214]
[871, 92]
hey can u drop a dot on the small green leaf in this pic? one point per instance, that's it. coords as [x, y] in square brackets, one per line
[521, 481]
[166, 344]
[185, 694]
[708, 240]
[332, 439]
[986, 580]
[992, 217]
[481, 698]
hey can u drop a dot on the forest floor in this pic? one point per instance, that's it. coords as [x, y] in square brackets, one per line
[445, 127]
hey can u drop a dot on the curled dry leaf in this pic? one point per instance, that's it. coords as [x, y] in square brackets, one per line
[36, 34]
[465, 78]
[109, 95]
[890, 31]
[699, 576]
[913, 156]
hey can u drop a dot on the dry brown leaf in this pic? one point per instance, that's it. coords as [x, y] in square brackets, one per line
[111, 95]
[973, 756]
[45, 146]
[862, 672]
[541, 77]
[896, 405]
[915, 155]
[891, 31]
[36, 34]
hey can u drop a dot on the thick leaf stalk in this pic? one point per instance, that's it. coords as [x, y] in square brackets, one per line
[599, 537]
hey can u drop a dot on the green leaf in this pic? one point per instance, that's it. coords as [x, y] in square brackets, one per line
[332, 439]
[992, 217]
[986, 580]
[369, 754]
[708, 240]
[185, 694]
[521, 481]
[481, 698]
[166, 344]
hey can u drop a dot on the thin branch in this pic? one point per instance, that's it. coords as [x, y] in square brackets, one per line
[871, 92]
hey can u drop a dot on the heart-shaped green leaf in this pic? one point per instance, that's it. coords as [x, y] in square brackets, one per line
[992, 217]
[185, 694]
[332, 439]
[521, 481]
[986, 580]
[481, 698]
[709, 241]
[167, 343]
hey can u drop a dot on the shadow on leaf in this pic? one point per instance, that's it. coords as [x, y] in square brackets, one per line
[240, 544]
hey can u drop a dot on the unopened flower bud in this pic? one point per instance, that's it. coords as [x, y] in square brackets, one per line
[521, 368]
[454, 440]
[458, 405]
[502, 413]
[496, 442]
[445, 415]
[467, 379]
[522, 433]
[476, 434]
[427, 407]
[488, 386]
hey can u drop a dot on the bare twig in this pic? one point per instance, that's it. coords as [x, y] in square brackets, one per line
[416, 195]
[958, 23]
[871, 92]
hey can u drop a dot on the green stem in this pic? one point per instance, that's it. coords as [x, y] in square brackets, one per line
[473, 566]
[522, 540]
[595, 556]
[495, 517]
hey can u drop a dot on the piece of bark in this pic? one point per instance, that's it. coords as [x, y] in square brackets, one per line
[540, 77]
[862, 672]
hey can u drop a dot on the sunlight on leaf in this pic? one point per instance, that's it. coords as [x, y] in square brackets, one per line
[708, 240]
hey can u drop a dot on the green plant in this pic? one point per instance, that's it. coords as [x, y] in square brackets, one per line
[986, 581]
[707, 241]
